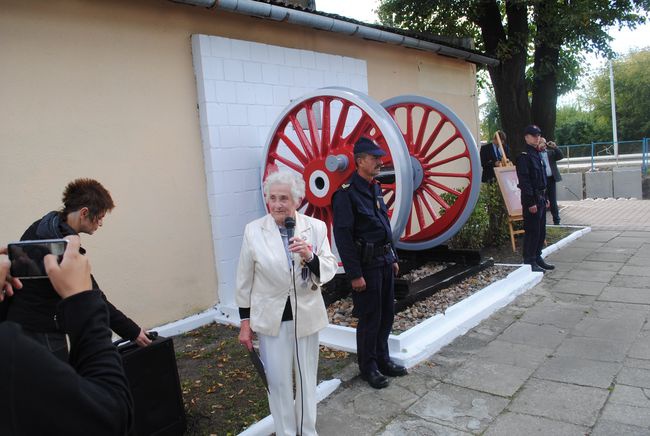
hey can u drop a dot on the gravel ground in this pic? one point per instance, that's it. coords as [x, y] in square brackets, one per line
[340, 312]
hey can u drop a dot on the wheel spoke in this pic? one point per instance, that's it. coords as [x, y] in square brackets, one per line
[443, 187]
[340, 125]
[325, 136]
[409, 127]
[444, 161]
[364, 124]
[423, 128]
[306, 145]
[443, 174]
[294, 166]
[313, 130]
[441, 147]
[418, 211]
[436, 197]
[294, 148]
[434, 215]
[432, 138]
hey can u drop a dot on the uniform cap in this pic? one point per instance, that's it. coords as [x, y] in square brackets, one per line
[532, 130]
[368, 146]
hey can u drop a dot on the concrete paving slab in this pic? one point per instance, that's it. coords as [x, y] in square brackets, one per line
[617, 250]
[625, 242]
[636, 234]
[621, 281]
[608, 256]
[638, 377]
[491, 377]
[629, 395]
[585, 301]
[331, 422]
[405, 425]
[600, 235]
[630, 415]
[460, 408]
[643, 271]
[568, 286]
[543, 336]
[643, 251]
[554, 315]
[586, 275]
[592, 245]
[613, 309]
[609, 428]
[418, 383]
[519, 424]
[590, 265]
[519, 355]
[605, 350]
[638, 260]
[584, 372]
[636, 363]
[616, 329]
[560, 401]
[569, 254]
[625, 295]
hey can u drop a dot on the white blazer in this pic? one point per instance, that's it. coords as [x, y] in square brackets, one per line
[264, 277]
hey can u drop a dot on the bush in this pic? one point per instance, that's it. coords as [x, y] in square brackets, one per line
[488, 223]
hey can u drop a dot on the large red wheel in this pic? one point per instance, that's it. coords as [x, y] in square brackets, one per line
[314, 137]
[446, 170]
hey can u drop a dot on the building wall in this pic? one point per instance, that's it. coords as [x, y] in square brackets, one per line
[107, 90]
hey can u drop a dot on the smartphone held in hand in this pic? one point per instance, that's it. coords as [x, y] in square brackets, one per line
[27, 257]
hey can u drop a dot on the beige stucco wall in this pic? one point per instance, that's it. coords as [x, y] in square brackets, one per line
[107, 90]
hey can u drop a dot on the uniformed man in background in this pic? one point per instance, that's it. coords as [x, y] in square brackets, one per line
[534, 201]
[364, 241]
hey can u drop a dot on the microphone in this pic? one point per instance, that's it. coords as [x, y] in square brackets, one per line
[290, 225]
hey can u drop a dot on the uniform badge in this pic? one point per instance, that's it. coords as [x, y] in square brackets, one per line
[345, 185]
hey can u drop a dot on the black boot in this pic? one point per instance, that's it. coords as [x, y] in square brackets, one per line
[375, 379]
[544, 265]
[392, 369]
[535, 267]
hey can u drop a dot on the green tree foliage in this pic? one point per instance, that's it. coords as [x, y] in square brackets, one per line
[575, 126]
[632, 90]
[545, 37]
[490, 119]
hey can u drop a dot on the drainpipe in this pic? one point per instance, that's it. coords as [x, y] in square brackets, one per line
[320, 22]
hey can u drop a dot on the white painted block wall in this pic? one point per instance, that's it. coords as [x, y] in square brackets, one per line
[242, 88]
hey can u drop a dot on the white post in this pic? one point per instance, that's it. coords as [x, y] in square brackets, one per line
[611, 91]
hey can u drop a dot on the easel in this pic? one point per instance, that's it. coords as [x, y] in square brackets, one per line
[506, 175]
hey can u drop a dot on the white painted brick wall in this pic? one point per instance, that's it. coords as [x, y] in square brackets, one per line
[242, 87]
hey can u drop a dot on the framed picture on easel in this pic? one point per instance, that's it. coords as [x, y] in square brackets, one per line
[508, 181]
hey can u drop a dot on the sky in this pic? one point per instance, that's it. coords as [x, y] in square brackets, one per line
[624, 40]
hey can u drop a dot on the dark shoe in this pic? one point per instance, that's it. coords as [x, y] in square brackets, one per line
[375, 379]
[557, 223]
[536, 268]
[545, 265]
[392, 369]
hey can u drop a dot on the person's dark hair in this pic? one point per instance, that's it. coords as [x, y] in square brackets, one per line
[87, 193]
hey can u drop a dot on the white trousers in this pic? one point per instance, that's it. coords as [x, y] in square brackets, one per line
[281, 362]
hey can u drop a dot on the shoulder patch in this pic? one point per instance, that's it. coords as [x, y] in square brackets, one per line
[345, 186]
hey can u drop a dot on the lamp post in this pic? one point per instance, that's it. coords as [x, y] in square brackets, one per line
[611, 91]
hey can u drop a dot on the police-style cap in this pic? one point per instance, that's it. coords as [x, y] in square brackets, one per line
[532, 130]
[368, 146]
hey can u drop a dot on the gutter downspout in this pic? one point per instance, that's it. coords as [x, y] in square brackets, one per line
[315, 21]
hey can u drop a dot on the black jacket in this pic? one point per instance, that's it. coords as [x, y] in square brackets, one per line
[532, 177]
[554, 155]
[360, 215]
[35, 305]
[42, 395]
[488, 161]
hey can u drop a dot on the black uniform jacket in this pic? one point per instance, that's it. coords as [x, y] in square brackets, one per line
[35, 305]
[42, 395]
[360, 216]
[532, 177]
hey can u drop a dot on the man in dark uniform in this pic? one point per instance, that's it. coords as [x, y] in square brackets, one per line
[364, 241]
[534, 201]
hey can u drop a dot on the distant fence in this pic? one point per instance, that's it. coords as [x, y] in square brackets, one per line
[597, 154]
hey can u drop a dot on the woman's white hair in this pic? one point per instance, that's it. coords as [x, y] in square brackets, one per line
[295, 182]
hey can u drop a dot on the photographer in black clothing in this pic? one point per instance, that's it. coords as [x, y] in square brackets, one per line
[85, 203]
[42, 395]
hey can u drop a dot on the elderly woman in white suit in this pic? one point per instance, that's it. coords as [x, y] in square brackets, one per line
[278, 294]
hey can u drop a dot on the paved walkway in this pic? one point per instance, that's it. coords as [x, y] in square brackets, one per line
[569, 357]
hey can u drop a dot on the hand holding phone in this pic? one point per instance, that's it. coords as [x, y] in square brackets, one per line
[27, 257]
[72, 275]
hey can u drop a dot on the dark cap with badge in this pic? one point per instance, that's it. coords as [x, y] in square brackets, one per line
[368, 146]
[532, 130]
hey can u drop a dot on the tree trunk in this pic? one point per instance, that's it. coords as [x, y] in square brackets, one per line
[508, 78]
[547, 53]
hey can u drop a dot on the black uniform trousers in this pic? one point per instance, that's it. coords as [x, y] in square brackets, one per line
[375, 308]
[551, 191]
[535, 232]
